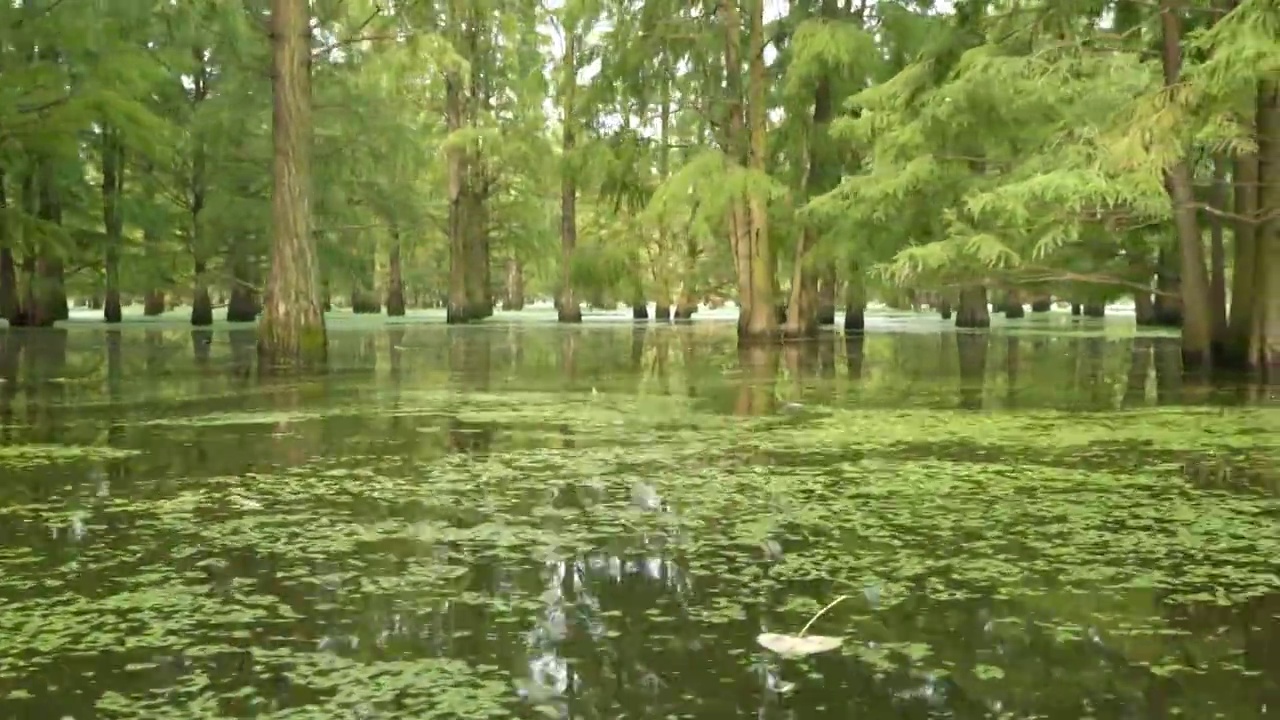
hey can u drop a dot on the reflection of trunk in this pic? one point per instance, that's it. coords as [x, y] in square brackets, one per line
[855, 301]
[242, 341]
[395, 278]
[569, 356]
[637, 347]
[756, 394]
[973, 311]
[514, 295]
[1135, 392]
[201, 341]
[568, 310]
[1168, 362]
[972, 350]
[1197, 320]
[1012, 364]
[292, 330]
[112, 218]
[853, 353]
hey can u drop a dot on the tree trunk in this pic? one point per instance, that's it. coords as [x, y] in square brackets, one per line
[292, 332]
[112, 218]
[1267, 284]
[242, 306]
[662, 312]
[1042, 304]
[8, 269]
[201, 304]
[395, 278]
[154, 303]
[639, 311]
[1012, 305]
[1197, 316]
[762, 322]
[1095, 309]
[1168, 300]
[973, 311]
[828, 285]
[514, 299]
[1244, 290]
[1144, 309]
[1075, 309]
[458, 307]
[1218, 257]
[855, 301]
[568, 311]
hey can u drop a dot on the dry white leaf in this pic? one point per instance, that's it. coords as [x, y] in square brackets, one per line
[794, 646]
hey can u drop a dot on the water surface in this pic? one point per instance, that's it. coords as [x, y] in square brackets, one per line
[596, 522]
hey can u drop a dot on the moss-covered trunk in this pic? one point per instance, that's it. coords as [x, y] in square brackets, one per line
[292, 332]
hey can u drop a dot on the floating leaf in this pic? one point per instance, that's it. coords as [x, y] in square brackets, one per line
[795, 646]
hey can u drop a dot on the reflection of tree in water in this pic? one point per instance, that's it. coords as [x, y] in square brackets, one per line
[244, 351]
[1135, 392]
[201, 346]
[971, 348]
[1012, 365]
[470, 368]
[758, 365]
[854, 347]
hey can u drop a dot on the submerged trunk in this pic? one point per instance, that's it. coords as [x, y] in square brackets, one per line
[1144, 309]
[1042, 304]
[973, 311]
[292, 332]
[1095, 309]
[395, 278]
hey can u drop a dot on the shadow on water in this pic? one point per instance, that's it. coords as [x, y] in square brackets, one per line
[597, 521]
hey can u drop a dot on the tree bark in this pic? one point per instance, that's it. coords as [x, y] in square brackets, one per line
[458, 306]
[514, 299]
[1012, 306]
[973, 311]
[1218, 258]
[395, 278]
[8, 269]
[1240, 324]
[855, 301]
[828, 285]
[1197, 317]
[1267, 284]
[568, 310]
[1042, 304]
[292, 332]
[112, 218]
[762, 321]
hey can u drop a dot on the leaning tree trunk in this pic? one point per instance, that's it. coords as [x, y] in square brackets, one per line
[292, 332]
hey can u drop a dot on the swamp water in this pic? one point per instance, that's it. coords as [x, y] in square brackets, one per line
[596, 522]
